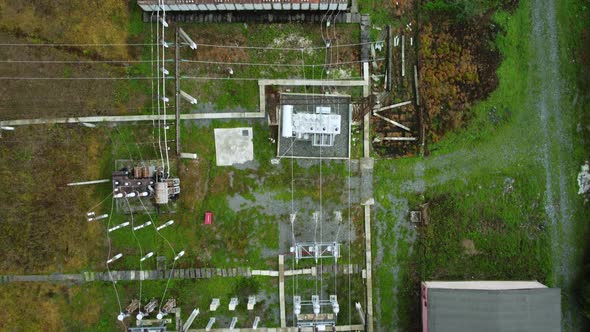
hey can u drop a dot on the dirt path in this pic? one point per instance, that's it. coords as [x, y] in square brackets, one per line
[555, 149]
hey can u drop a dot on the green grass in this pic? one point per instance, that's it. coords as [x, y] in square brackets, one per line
[464, 186]
[381, 13]
[504, 225]
[226, 242]
[94, 306]
[135, 25]
[228, 94]
[206, 187]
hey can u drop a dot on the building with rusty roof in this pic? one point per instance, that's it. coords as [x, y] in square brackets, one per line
[244, 5]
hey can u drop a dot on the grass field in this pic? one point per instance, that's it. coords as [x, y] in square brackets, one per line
[93, 307]
[486, 191]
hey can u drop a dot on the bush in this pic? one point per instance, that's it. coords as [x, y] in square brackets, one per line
[462, 10]
[448, 74]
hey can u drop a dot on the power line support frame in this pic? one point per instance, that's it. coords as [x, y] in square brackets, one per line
[177, 87]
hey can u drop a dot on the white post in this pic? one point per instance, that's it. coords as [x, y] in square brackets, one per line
[102, 216]
[190, 320]
[149, 254]
[188, 97]
[233, 303]
[180, 254]
[256, 321]
[187, 39]
[214, 304]
[232, 325]
[394, 106]
[168, 223]
[251, 302]
[116, 257]
[118, 226]
[210, 324]
[142, 226]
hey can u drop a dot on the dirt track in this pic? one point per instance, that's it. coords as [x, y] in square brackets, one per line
[554, 149]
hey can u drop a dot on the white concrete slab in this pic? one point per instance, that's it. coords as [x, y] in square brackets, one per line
[233, 146]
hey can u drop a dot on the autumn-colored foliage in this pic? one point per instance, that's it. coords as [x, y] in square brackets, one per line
[457, 67]
[447, 72]
[70, 21]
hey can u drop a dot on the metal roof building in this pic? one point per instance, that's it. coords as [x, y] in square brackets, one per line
[242, 5]
[490, 306]
[314, 126]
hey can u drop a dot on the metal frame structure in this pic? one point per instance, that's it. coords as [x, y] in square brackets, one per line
[316, 250]
[315, 319]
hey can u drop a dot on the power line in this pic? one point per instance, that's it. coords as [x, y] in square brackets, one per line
[158, 99]
[274, 64]
[67, 45]
[159, 127]
[18, 78]
[281, 48]
[138, 245]
[24, 78]
[169, 245]
[198, 44]
[349, 245]
[256, 79]
[15, 103]
[74, 61]
[164, 89]
[110, 251]
[152, 81]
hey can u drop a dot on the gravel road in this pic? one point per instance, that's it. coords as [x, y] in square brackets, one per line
[546, 89]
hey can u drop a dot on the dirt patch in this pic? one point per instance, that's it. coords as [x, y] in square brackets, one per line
[469, 247]
[210, 34]
[195, 173]
[292, 40]
[220, 183]
[66, 96]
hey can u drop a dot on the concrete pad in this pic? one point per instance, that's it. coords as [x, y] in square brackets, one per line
[233, 146]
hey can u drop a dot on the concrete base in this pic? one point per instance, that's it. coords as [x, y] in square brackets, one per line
[233, 146]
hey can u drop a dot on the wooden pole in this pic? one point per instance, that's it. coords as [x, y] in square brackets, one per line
[389, 62]
[403, 56]
[393, 106]
[89, 182]
[395, 123]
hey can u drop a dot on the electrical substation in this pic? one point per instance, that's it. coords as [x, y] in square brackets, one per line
[289, 211]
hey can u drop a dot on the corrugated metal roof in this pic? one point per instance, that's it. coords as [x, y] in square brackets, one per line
[452, 310]
[173, 2]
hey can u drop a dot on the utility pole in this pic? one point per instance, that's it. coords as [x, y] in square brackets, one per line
[177, 86]
[389, 63]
